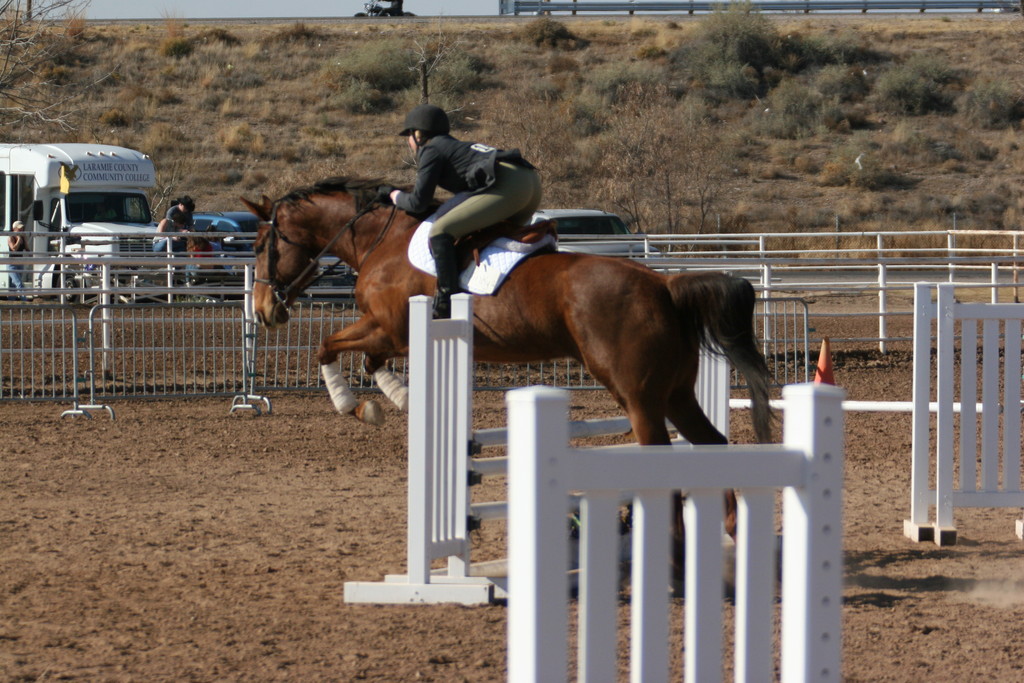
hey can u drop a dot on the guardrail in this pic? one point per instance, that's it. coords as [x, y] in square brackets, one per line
[784, 6]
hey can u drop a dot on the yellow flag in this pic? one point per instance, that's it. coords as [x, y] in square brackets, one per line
[67, 174]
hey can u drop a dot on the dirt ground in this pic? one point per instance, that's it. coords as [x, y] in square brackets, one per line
[181, 543]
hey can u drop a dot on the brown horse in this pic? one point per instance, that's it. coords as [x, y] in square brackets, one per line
[637, 331]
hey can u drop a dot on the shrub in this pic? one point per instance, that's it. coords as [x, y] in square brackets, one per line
[115, 117]
[843, 83]
[650, 52]
[858, 165]
[360, 97]
[794, 111]
[296, 33]
[613, 81]
[217, 35]
[741, 35]
[544, 91]
[991, 104]
[242, 139]
[546, 32]
[843, 49]
[160, 137]
[386, 65]
[457, 72]
[730, 52]
[176, 47]
[562, 64]
[915, 87]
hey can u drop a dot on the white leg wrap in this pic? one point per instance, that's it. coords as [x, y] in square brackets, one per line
[393, 388]
[344, 400]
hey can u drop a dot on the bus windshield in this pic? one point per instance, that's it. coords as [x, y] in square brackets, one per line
[109, 207]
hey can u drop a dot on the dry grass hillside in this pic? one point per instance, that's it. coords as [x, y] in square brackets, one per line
[731, 122]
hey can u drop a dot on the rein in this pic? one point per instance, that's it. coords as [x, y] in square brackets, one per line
[283, 292]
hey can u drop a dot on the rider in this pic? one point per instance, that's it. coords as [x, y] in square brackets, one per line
[395, 9]
[489, 185]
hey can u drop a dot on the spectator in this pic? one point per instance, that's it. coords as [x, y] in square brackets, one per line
[176, 222]
[17, 246]
[184, 205]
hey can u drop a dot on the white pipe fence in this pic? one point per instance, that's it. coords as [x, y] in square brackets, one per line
[877, 267]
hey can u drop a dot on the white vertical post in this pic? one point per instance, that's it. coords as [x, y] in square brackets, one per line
[421, 428]
[755, 585]
[713, 388]
[990, 397]
[812, 545]
[1011, 397]
[924, 314]
[882, 308]
[944, 412]
[951, 251]
[462, 393]
[766, 280]
[652, 515]
[598, 587]
[249, 306]
[107, 316]
[968, 451]
[702, 515]
[537, 620]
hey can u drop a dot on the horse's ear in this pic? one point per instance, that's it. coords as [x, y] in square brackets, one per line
[262, 211]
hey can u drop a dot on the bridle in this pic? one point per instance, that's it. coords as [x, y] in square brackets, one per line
[282, 291]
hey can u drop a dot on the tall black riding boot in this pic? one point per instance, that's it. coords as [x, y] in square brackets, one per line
[443, 248]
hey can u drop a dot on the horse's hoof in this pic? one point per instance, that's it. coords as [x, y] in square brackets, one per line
[370, 412]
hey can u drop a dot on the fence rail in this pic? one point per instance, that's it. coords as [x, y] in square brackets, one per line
[788, 269]
[802, 6]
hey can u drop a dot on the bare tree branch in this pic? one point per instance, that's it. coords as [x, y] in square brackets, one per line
[34, 39]
[431, 55]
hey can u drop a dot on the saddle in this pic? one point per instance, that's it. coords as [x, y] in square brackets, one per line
[469, 247]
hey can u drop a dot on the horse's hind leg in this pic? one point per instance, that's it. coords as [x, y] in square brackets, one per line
[389, 383]
[393, 387]
[685, 413]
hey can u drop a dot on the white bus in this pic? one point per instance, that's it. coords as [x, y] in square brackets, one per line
[77, 198]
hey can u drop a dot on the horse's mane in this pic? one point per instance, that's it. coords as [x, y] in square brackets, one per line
[363, 190]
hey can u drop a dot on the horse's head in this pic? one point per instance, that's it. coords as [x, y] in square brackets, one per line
[295, 232]
[283, 254]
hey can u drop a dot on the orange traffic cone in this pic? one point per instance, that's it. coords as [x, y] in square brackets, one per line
[823, 375]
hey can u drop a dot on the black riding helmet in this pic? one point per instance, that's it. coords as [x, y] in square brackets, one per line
[428, 118]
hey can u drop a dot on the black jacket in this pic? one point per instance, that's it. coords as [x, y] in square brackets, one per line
[455, 166]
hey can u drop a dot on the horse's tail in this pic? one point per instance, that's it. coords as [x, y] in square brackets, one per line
[717, 312]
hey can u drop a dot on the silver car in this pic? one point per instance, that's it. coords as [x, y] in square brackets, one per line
[591, 231]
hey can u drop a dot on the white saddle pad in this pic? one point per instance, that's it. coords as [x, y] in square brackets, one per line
[497, 260]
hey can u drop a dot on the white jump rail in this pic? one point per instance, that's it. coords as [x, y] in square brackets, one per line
[978, 461]
[808, 468]
[440, 466]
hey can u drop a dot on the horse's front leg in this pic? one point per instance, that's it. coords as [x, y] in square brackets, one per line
[363, 335]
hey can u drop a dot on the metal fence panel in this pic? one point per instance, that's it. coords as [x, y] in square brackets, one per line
[40, 351]
[166, 350]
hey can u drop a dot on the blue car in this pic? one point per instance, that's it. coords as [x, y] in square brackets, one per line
[246, 223]
[229, 222]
